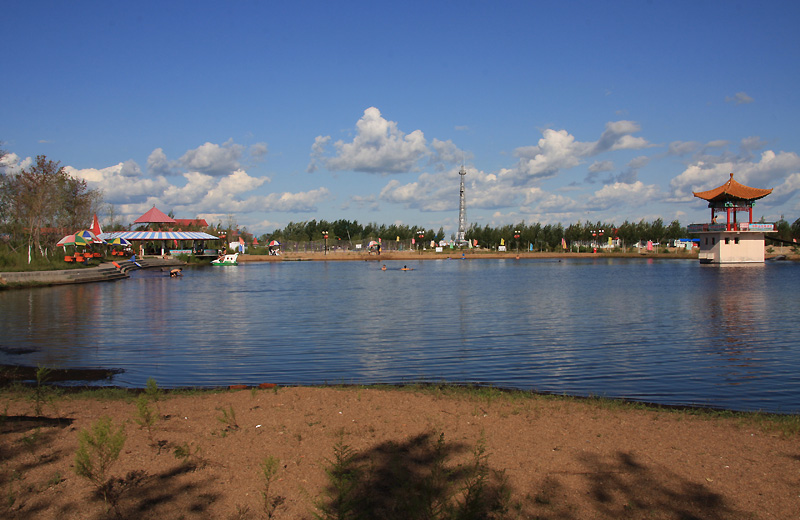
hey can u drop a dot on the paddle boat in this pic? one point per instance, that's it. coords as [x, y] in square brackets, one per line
[227, 260]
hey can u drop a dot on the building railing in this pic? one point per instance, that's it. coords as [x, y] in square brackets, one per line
[734, 226]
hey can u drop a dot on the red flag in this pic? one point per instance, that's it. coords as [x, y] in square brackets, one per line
[96, 229]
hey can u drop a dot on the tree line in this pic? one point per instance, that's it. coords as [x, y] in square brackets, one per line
[542, 236]
[42, 203]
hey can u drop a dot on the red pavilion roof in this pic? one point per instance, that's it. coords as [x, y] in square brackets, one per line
[732, 190]
[155, 215]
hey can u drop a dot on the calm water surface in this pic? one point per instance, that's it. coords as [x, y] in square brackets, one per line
[664, 331]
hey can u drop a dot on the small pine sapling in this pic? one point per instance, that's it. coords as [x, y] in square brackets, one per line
[98, 448]
[269, 469]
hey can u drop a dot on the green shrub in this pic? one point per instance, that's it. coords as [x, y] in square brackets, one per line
[98, 448]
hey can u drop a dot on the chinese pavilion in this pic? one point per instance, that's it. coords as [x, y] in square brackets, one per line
[738, 240]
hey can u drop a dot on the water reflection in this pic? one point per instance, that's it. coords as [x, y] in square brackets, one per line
[665, 331]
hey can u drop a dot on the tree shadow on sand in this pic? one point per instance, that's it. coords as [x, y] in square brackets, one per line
[415, 479]
[623, 487]
[418, 479]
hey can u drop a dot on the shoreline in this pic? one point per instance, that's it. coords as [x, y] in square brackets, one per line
[106, 271]
[75, 381]
[103, 272]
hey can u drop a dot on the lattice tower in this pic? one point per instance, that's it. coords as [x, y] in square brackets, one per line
[462, 210]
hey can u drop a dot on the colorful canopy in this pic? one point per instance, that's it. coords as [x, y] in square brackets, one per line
[90, 236]
[118, 241]
[158, 235]
[274, 243]
[154, 216]
[72, 240]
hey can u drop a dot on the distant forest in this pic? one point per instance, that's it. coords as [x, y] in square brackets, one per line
[547, 236]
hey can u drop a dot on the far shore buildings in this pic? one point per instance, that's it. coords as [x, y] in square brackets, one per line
[739, 239]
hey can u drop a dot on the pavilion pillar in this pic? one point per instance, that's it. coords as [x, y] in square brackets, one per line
[728, 220]
[750, 210]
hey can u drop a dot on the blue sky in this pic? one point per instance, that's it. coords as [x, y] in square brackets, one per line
[288, 111]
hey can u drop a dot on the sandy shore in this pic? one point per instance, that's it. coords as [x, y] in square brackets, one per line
[544, 457]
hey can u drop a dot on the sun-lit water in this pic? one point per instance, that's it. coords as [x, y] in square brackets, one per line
[665, 331]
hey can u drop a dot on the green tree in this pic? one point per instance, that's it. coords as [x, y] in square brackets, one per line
[43, 196]
[796, 229]
[783, 230]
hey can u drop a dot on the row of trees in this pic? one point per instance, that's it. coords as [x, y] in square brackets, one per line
[42, 203]
[544, 236]
[352, 231]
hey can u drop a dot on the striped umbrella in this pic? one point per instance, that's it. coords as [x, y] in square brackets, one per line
[72, 240]
[119, 241]
[90, 236]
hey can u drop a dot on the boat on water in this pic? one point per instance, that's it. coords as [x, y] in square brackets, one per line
[227, 260]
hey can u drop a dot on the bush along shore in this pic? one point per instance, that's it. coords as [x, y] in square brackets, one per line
[419, 451]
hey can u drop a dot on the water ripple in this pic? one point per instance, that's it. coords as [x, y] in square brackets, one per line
[672, 332]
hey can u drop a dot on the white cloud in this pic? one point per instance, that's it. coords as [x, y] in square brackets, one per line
[121, 183]
[493, 197]
[616, 136]
[740, 98]
[558, 150]
[439, 192]
[223, 196]
[601, 166]
[213, 159]
[623, 194]
[11, 163]
[537, 200]
[378, 147]
[445, 152]
[196, 187]
[784, 192]
[295, 202]
[158, 164]
[259, 150]
[700, 176]
[363, 202]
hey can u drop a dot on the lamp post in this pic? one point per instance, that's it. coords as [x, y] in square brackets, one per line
[516, 235]
[325, 234]
[597, 235]
[421, 235]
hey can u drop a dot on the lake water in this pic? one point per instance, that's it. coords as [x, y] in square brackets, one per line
[663, 331]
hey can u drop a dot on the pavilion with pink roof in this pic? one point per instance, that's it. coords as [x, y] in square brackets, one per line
[184, 242]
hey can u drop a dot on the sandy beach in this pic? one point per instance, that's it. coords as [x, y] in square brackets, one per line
[403, 452]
